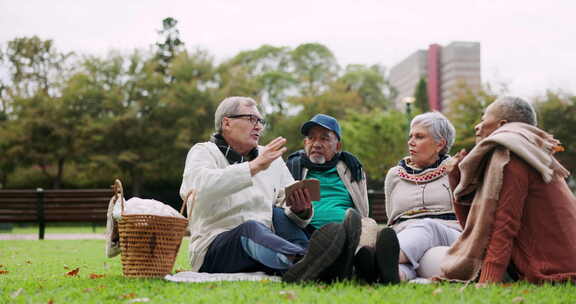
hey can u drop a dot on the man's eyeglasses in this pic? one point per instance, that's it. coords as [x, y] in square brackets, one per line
[253, 119]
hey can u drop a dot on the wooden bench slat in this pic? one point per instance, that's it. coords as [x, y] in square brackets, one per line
[78, 205]
[19, 219]
[99, 213]
[17, 212]
[7, 199]
[18, 206]
[377, 202]
[78, 218]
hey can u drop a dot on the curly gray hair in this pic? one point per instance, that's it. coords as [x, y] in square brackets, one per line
[515, 109]
[439, 126]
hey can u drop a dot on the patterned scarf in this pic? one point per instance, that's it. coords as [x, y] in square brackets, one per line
[405, 163]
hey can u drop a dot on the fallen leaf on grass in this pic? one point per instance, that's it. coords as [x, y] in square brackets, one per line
[16, 293]
[437, 291]
[288, 294]
[139, 300]
[128, 296]
[90, 289]
[96, 276]
[66, 267]
[525, 291]
[518, 300]
[73, 272]
[50, 301]
[28, 262]
[481, 285]
[179, 270]
[3, 271]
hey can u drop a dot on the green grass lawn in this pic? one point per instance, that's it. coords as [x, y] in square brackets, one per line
[33, 271]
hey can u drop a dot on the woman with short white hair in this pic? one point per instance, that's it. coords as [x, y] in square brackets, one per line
[418, 204]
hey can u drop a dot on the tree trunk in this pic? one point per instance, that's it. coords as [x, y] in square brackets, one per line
[3, 179]
[44, 169]
[57, 181]
[137, 181]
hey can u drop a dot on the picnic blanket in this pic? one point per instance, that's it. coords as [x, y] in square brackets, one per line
[201, 277]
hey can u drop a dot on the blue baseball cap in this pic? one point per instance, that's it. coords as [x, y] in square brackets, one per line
[322, 120]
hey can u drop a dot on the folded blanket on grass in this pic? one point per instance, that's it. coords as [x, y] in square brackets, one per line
[200, 277]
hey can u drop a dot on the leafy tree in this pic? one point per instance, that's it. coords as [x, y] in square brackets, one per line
[314, 67]
[556, 114]
[378, 139]
[264, 71]
[421, 96]
[33, 65]
[3, 88]
[35, 129]
[370, 85]
[465, 112]
[170, 46]
[138, 135]
[191, 99]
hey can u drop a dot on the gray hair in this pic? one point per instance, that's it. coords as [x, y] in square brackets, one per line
[230, 106]
[515, 109]
[439, 126]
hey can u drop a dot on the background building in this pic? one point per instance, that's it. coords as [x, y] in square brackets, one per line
[448, 70]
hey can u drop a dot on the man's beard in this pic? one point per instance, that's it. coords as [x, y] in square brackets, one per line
[317, 159]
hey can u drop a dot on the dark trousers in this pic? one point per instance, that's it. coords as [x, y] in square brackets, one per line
[252, 246]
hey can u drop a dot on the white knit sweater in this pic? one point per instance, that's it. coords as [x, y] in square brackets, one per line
[228, 196]
[417, 195]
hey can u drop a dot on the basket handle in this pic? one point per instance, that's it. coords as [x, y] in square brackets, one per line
[118, 193]
[191, 197]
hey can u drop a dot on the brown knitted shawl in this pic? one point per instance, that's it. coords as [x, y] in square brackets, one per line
[482, 172]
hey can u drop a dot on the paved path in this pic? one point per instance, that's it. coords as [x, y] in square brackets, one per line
[53, 236]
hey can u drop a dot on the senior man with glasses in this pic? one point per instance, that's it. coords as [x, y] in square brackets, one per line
[237, 183]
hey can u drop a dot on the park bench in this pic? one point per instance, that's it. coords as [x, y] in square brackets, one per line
[377, 201]
[49, 206]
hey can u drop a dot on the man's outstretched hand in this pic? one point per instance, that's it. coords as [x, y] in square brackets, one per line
[267, 155]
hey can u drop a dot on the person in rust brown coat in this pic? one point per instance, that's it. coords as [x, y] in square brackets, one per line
[518, 213]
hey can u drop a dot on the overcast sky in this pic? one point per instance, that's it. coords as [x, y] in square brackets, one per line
[528, 45]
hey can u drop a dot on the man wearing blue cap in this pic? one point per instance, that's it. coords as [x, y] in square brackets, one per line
[343, 191]
[230, 184]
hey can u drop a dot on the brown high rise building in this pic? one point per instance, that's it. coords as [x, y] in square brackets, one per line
[447, 71]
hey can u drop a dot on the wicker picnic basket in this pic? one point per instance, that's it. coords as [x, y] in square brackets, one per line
[149, 244]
